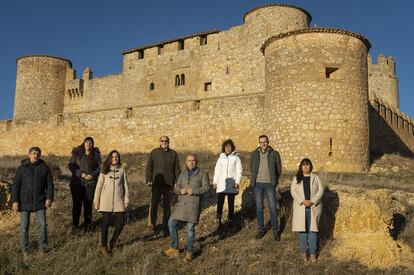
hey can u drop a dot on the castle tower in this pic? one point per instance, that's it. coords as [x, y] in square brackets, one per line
[317, 98]
[382, 80]
[40, 86]
[260, 24]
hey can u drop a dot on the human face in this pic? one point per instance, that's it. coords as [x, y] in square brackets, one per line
[88, 145]
[264, 143]
[115, 158]
[191, 162]
[34, 156]
[306, 168]
[164, 143]
[227, 149]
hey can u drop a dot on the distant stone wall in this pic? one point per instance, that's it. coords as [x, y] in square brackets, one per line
[198, 125]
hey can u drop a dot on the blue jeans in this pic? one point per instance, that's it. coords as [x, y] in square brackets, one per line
[173, 227]
[24, 228]
[308, 238]
[269, 189]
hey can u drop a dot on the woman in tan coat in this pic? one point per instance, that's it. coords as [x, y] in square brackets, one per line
[307, 191]
[111, 199]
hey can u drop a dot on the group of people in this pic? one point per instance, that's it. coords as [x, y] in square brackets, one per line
[104, 185]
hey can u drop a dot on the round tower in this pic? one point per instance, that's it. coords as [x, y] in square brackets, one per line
[40, 86]
[317, 98]
[260, 24]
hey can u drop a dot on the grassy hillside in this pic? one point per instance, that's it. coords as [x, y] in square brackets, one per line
[235, 253]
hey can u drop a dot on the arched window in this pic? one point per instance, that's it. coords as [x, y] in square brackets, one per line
[182, 79]
[152, 86]
[177, 80]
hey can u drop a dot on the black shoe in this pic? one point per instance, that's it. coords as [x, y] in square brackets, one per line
[219, 226]
[276, 236]
[260, 234]
[111, 246]
[229, 224]
[165, 233]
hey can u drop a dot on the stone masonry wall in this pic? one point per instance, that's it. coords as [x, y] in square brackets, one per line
[230, 60]
[382, 81]
[40, 86]
[313, 114]
[191, 126]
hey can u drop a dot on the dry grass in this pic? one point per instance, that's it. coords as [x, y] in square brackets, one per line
[239, 253]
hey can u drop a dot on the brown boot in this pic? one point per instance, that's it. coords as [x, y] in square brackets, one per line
[172, 252]
[188, 257]
[104, 251]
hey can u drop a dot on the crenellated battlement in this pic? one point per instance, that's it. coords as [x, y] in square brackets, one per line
[394, 117]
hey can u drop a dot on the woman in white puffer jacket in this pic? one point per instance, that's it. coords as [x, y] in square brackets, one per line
[226, 180]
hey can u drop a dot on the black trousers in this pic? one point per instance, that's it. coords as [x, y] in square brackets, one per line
[119, 218]
[161, 193]
[82, 195]
[220, 203]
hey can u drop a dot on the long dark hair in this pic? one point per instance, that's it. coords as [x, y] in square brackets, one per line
[228, 142]
[106, 166]
[299, 174]
[80, 150]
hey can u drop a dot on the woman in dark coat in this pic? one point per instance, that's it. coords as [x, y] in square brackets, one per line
[85, 165]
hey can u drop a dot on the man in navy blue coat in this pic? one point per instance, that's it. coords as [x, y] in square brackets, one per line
[32, 192]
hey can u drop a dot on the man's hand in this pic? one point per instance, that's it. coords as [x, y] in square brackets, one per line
[237, 186]
[125, 205]
[183, 191]
[88, 177]
[215, 185]
[15, 206]
[96, 206]
[48, 203]
[149, 183]
[83, 175]
[189, 191]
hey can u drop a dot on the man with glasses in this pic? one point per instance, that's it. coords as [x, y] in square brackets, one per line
[163, 169]
[265, 166]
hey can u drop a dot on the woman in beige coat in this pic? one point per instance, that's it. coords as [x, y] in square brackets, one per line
[307, 191]
[111, 199]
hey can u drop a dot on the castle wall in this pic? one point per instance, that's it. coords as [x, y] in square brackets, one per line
[191, 125]
[311, 114]
[230, 60]
[392, 131]
[382, 81]
[40, 86]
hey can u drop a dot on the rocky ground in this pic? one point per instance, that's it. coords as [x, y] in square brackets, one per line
[367, 227]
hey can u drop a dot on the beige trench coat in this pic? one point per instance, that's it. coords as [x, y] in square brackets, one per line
[298, 220]
[112, 191]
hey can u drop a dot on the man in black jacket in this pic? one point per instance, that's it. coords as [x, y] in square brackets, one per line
[163, 169]
[32, 191]
[266, 167]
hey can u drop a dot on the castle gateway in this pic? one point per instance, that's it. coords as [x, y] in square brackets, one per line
[314, 91]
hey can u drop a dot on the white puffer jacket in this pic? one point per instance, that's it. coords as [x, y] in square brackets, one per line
[227, 173]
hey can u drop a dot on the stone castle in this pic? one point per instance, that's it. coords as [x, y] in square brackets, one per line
[314, 91]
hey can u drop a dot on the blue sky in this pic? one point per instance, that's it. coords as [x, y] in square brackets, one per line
[93, 33]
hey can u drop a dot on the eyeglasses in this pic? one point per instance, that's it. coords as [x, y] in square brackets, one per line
[164, 140]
